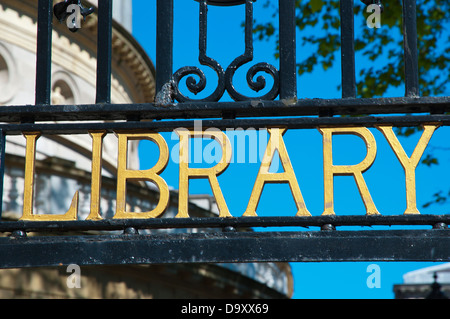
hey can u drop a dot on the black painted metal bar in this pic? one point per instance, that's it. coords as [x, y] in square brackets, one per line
[164, 43]
[2, 167]
[168, 126]
[44, 52]
[435, 221]
[416, 245]
[288, 62]
[104, 52]
[248, 109]
[410, 48]
[347, 49]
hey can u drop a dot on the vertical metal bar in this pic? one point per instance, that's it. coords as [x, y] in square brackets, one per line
[164, 43]
[203, 29]
[249, 29]
[347, 49]
[288, 62]
[104, 51]
[410, 48]
[44, 52]
[2, 167]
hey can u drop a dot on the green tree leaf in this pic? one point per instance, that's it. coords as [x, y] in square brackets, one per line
[316, 5]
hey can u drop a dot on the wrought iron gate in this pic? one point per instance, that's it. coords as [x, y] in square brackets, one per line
[228, 243]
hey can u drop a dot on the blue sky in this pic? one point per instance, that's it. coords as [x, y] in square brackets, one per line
[385, 179]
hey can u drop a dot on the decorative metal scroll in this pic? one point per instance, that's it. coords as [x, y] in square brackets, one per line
[225, 78]
[194, 86]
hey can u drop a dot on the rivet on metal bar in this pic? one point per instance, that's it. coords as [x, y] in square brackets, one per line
[440, 226]
[229, 229]
[130, 231]
[327, 227]
[19, 234]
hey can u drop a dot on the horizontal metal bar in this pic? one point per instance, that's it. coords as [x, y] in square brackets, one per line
[190, 110]
[216, 222]
[413, 245]
[167, 126]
